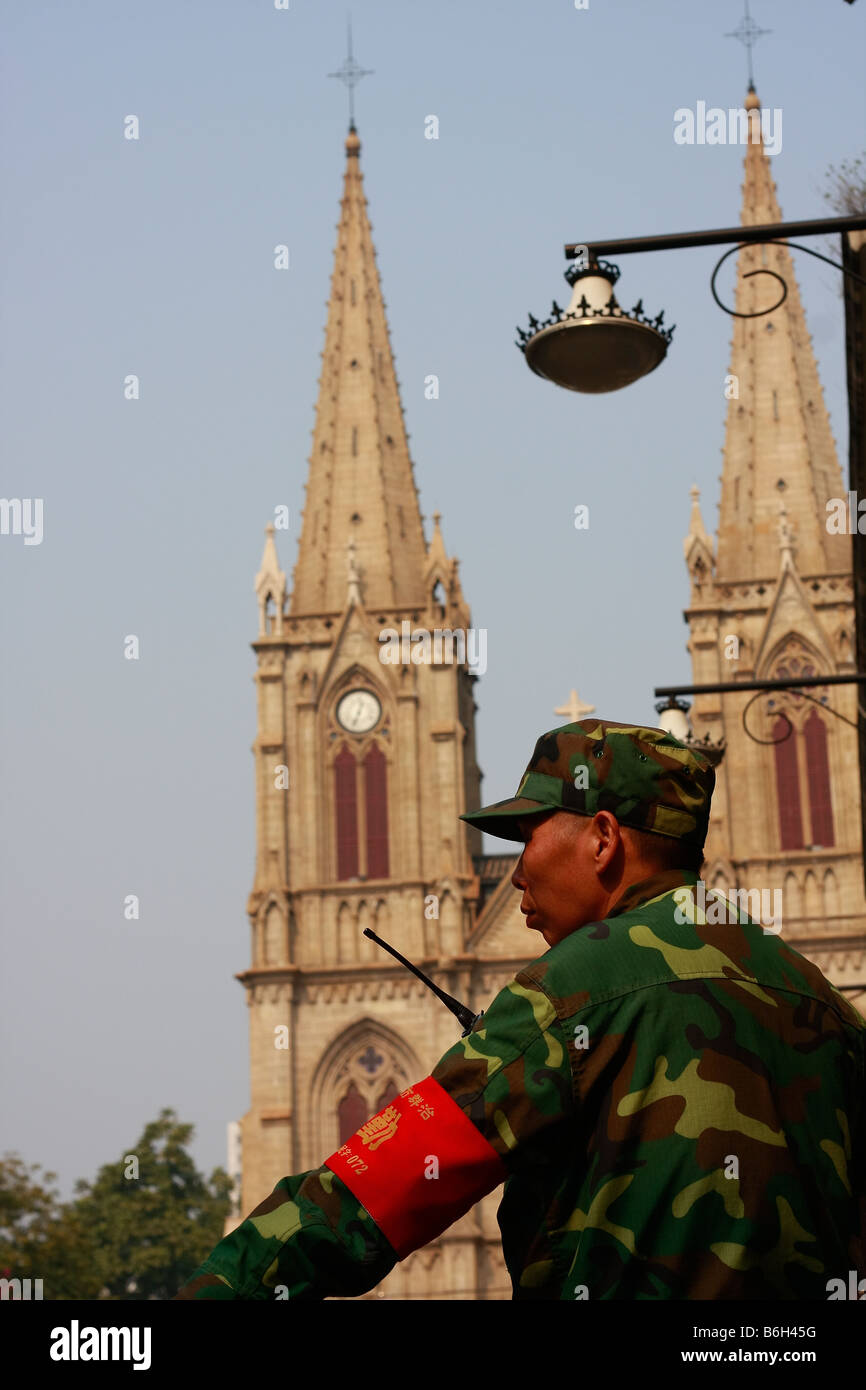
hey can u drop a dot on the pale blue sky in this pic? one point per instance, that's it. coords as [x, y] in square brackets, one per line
[155, 257]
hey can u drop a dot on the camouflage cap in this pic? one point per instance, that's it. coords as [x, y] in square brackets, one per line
[645, 777]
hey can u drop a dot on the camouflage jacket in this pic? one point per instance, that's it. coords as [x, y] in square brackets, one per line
[675, 1105]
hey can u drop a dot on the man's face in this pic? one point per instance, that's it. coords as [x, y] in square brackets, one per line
[556, 874]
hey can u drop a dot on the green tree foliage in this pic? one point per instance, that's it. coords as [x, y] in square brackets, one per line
[138, 1231]
[40, 1237]
[27, 1202]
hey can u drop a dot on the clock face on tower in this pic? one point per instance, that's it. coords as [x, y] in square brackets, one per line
[359, 711]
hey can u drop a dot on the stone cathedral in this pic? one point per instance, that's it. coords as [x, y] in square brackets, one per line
[362, 767]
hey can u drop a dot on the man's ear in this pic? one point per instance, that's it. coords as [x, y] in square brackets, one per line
[609, 838]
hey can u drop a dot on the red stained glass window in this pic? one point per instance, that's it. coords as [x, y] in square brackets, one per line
[376, 805]
[390, 1093]
[351, 1112]
[819, 780]
[346, 795]
[788, 786]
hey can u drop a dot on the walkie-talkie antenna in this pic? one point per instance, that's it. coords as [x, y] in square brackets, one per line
[463, 1014]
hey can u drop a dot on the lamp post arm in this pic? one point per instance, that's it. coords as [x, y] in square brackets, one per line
[719, 236]
[858, 678]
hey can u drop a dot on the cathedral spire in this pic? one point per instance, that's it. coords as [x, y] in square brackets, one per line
[778, 442]
[360, 482]
[697, 529]
[270, 587]
[697, 546]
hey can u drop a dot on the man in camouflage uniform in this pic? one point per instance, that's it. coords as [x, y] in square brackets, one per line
[673, 1097]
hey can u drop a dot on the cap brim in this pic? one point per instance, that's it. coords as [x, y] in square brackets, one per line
[501, 818]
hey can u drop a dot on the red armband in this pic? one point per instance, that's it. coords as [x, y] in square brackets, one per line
[417, 1166]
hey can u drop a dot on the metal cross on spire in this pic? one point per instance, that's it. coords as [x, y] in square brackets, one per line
[748, 32]
[351, 73]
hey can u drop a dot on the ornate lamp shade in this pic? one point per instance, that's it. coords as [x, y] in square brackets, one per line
[674, 718]
[594, 345]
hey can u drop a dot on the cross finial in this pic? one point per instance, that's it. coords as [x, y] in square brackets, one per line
[351, 73]
[748, 32]
[574, 708]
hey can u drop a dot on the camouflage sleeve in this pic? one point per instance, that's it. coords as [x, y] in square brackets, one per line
[491, 1106]
[512, 1075]
[308, 1239]
[412, 1170]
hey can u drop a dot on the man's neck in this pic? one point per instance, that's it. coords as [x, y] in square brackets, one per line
[651, 885]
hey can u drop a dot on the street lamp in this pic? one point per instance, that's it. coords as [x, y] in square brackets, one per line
[674, 718]
[594, 345]
[626, 346]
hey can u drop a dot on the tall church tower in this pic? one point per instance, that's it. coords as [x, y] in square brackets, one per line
[362, 769]
[774, 599]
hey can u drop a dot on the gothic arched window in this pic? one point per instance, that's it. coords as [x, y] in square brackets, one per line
[346, 801]
[361, 806]
[351, 1112]
[802, 761]
[788, 785]
[376, 806]
[371, 1078]
[818, 772]
[390, 1093]
[274, 953]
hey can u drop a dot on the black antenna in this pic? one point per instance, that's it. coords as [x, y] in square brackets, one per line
[463, 1014]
